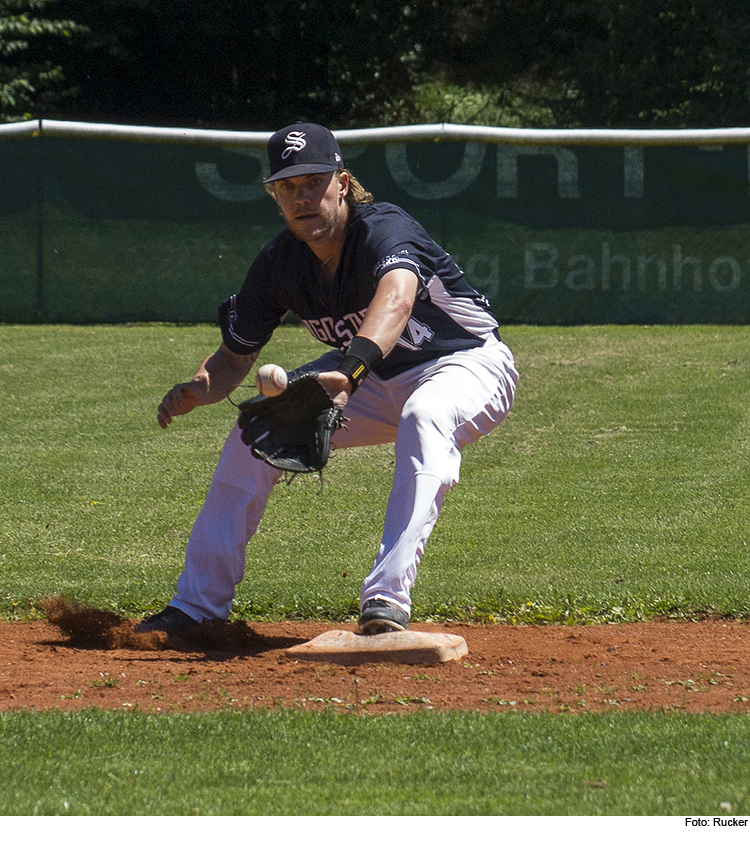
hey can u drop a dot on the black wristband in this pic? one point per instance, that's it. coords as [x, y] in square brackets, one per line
[359, 359]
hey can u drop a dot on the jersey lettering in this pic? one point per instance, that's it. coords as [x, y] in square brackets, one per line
[335, 334]
[317, 327]
[415, 335]
[419, 333]
[343, 329]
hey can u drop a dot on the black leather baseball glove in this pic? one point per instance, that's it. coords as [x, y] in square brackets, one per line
[292, 431]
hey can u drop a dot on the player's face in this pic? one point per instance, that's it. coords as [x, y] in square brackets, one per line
[314, 206]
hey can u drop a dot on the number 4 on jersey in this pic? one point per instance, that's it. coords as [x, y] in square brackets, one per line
[415, 334]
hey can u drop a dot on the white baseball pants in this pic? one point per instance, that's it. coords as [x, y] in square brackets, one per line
[431, 412]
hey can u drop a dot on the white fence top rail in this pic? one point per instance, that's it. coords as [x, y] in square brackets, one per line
[385, 135]
[28, 128]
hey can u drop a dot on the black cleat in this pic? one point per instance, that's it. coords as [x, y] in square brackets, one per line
[170, 621]
[379, 616]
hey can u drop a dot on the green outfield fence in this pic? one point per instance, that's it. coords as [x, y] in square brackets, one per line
[107, 223]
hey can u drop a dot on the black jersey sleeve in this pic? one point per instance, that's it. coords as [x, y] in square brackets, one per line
[249, 318]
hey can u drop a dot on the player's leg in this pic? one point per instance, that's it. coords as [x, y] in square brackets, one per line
[231, 513]
[458, 399]
[215, 554]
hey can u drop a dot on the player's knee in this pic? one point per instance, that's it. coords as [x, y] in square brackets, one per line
[429, 418]
[428, 444]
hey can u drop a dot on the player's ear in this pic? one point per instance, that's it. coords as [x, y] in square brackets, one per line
[343, 183]
[270, 191]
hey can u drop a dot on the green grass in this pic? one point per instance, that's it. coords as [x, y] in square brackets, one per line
[616, 490]
[291, 763]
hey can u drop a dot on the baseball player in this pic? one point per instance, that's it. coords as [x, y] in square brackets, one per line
[415, 358]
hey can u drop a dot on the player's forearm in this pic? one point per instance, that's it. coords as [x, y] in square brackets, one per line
[390, 309]
[221, 373]
[385, 320]
[385, 330]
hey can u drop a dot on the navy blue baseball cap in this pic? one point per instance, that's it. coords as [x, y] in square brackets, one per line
[301, 149]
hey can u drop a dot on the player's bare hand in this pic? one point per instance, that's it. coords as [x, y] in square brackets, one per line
[338, 386]
[181, 399]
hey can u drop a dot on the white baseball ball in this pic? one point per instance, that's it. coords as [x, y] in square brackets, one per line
[271, 379]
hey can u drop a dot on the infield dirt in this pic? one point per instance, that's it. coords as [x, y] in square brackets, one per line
[89, 659]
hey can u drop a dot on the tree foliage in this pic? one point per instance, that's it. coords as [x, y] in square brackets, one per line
[29, 80]
[247, 64]
[667, 63]
[660, 63]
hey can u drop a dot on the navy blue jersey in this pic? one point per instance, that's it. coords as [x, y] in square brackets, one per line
[448, 314]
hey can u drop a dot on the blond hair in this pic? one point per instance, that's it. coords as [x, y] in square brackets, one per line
[357, 194]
